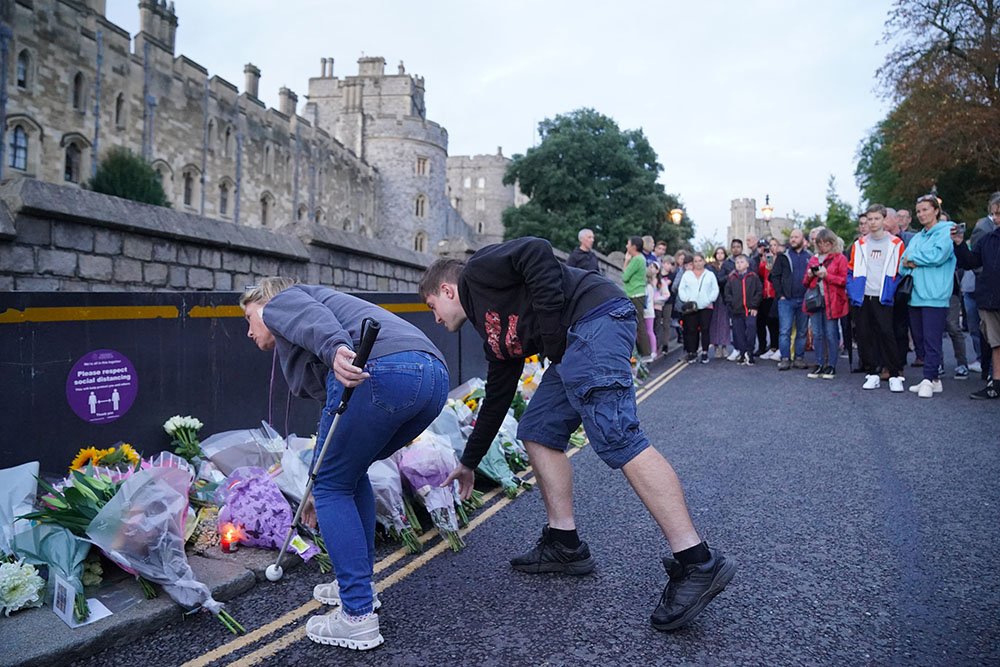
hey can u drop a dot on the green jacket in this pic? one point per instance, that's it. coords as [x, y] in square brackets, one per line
[634, 277]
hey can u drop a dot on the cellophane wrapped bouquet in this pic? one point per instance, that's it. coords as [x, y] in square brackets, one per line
[425, 464]
[390, 508]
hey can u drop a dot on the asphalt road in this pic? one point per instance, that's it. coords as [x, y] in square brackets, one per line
[865, 525]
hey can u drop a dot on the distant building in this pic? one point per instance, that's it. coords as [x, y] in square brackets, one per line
[743, 220]
[477, 192]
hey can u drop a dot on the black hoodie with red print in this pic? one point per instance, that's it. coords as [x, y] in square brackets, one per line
[522, 301]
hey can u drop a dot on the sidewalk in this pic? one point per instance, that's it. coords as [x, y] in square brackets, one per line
[38, 637]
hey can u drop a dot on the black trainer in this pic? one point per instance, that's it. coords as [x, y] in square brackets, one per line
[550, 556]
[990, 392]
[690, 589]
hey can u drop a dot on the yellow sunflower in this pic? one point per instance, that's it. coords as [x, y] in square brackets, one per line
[129, 454]
[85, 456]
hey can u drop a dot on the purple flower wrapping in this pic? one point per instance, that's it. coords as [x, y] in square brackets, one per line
[254, 502]
[426, 464]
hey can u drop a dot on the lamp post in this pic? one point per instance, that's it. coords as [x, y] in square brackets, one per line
[767, 209]
[676, 215]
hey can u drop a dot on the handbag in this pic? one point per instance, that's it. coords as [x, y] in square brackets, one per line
[905, 285]
[813, 300]
[688, 307]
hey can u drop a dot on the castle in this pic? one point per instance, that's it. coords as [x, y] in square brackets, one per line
[359, 155]
[743, 220]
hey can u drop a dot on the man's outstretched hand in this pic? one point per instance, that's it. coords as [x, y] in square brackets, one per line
[466, 479]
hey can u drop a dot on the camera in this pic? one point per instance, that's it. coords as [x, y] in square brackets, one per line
[815, 269]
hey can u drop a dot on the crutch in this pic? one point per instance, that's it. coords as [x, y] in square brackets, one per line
[369, 332]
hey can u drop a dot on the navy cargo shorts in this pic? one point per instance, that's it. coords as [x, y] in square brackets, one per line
[593, 385]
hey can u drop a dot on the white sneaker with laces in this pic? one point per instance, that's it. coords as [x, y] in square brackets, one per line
[975, 367]
[734, 355]
[925, 389]
[330, 594]
[872, 382]
[336, 629]
[935, 385]
[896, 384]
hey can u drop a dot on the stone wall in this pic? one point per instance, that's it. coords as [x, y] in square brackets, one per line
[63, 238]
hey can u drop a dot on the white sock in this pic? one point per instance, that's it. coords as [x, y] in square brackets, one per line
[358, 619]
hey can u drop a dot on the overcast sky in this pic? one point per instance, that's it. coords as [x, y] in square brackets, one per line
[739, 99]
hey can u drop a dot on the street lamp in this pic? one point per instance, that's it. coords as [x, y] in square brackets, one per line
[676, 215]
[767, 209]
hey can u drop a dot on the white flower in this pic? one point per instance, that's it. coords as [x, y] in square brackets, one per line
[20, 586]
[188, 423]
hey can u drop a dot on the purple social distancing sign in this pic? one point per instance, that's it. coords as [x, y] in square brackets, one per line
[102, 386]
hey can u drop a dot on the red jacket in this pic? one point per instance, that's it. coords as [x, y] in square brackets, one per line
[834, 285]
[764, 272]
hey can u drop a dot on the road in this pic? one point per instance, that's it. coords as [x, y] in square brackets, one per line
[865, 525]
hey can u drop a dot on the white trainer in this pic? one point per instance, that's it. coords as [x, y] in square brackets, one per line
[925, 389]
[872, 382]
[896, 384]
[335, 629]
[734, 355]
[935, 385]
[975, 367]
[330, 594]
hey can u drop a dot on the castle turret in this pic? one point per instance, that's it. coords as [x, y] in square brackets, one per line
[287, 101]
[157, 21]
[252, 73]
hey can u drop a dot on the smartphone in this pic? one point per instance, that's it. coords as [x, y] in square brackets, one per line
[960, 228]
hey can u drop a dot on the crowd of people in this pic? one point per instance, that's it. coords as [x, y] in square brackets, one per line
[883, 302]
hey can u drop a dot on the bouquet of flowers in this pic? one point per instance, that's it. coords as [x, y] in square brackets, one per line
[184, 434]
[63, 552]
[142, 529]
[20, 587]
[513, 449]
[121, 457]
[425, 464]
[494, 466]
[18, 486]
[390, 510]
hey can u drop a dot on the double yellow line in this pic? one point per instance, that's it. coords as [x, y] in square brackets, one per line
[299, 633]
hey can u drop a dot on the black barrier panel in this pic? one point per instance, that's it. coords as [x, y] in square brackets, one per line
[70, 364]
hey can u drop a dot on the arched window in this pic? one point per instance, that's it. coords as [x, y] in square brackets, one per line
[210, 142]
[480, 182]
[18, 149]
[421, 168]
[268, 160]
[318, 216]
[227, 146]
[420, 242]
[78, 91]
[224, 199]
[265, 210]
[467, 182]
[74, 156]
[480, 227]
[303, 213]
[120, 110]
[188, 188]
[23, 70]
[420, 206]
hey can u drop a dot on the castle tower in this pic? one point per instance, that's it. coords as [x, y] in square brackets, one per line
[742, 219]
[382, 119]
[477, 192]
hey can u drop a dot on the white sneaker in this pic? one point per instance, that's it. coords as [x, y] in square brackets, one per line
[330, 594]
[336, 630]
[925, 389]
[734, 355]
[896, 384]
[975, 367]
[771, 355]
[872, 382]
[935, 385]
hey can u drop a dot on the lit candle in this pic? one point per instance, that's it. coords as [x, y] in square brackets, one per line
[230, 538]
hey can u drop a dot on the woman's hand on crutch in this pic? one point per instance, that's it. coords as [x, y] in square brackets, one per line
[344, 369]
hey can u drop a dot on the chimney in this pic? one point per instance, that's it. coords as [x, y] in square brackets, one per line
[253, 79]
[287, 101]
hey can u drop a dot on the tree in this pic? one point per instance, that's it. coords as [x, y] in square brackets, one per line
[588, 173]
[839, 214]
[123, 174]
[943, 73]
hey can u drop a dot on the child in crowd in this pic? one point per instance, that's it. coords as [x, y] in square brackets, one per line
[662, 305]
[649, 311]
[743, 293]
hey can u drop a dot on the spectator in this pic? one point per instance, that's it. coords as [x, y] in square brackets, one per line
[729, 265]
[634, 278]
[660, 251]
[952, 325]
[767, 314]
[828, 272]
[901, 302]
[753, 250]
[985, 255]
[699, 287]
[649, 311]
[720, 331]
[647, 250]
[787, 276]
[743, 296]
[903, 216]
[930, 260]
[583, 257]
[663, 304]
[872, 276]
[983, 227]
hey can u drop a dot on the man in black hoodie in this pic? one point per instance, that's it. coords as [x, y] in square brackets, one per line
[522, 301]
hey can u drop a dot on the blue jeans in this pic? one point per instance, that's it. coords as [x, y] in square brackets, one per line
[972, 315]
[826, 339]
[592, 385]
[404, 394]
[927, 325]
[789, 312]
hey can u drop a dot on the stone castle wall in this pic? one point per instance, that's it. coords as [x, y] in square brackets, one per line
[477, 191]
[62, 238]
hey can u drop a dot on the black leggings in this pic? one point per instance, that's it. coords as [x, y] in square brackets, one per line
[697, 323]
[766, 324]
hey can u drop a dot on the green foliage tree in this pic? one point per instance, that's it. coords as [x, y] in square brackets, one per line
[839, 214]
[124, 174]
[588, 173]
